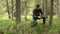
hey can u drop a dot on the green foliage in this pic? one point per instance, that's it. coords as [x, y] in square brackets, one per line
[7, 26]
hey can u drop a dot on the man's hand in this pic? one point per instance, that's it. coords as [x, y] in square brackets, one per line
[39, 17]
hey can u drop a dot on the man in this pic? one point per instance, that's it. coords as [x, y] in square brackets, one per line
[38, 14]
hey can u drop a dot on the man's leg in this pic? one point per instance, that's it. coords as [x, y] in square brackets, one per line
[44, 20]
[34, 21]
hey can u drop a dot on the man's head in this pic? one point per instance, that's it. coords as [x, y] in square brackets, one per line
[37, 6]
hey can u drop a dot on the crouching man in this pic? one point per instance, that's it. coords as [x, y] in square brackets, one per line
[38, 14]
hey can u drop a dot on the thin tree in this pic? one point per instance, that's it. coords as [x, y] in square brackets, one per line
[58, 9]
[51, 13]
[44, 7]
[8, 9]
[26, 10]
[12, 8]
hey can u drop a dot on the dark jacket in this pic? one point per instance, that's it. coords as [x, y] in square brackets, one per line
[37, 12]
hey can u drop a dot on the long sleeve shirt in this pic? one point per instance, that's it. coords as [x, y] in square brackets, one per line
[37, 12]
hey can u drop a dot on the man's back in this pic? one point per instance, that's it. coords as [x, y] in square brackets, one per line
[37, 12]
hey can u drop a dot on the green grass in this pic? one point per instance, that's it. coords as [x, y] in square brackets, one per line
[7, 25]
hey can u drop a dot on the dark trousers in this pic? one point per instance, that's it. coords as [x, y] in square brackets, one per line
[35, 19]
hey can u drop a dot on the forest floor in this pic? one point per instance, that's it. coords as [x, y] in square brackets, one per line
[6, 26]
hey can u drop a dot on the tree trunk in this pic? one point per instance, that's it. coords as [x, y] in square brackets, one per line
[26, 10]
[18, 13]
[44, 7]
[12, 8]
[58, 8]
[8, 9]
[51, 13]
[38, 2]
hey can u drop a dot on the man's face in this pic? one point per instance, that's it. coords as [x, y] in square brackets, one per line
[38, 8]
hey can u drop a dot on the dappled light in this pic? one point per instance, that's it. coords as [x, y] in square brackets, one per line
[30, 17]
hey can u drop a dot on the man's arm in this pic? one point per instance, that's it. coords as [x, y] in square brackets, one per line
[34, 13]
[41, 12]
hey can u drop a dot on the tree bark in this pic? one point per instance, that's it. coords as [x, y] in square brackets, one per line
[26, 10]
[51, 13]
[8, 9]
[58, 9]
[12, 8]
[18, 12]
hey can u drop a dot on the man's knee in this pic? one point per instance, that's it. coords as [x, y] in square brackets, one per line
[43, 17]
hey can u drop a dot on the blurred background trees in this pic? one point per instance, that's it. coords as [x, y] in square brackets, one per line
[26, 7]
[21, 10]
